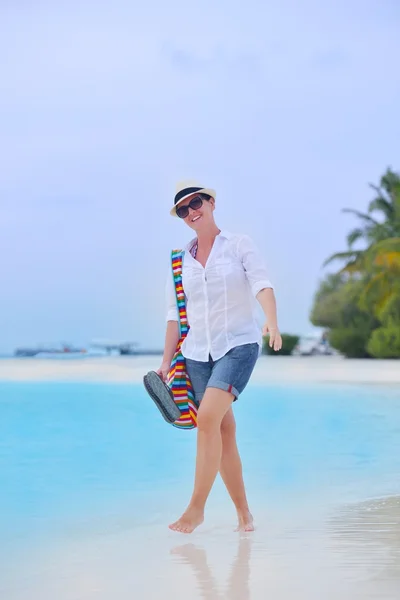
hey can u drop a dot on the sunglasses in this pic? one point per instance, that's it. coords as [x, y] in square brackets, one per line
[195, 203]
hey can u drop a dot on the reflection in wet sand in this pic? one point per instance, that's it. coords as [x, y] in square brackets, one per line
[238, 582]
[196, 557]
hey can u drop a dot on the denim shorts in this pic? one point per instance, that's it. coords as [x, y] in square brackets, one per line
[230, 373]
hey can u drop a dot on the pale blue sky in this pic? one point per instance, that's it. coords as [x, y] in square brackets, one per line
[288, 109]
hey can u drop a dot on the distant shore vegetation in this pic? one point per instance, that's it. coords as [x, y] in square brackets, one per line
[359, 304]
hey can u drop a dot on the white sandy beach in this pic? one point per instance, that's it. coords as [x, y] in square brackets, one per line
[269, 369]
[351, 554]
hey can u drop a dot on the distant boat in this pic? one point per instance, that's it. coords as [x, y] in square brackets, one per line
[122, 348]
[26, 352]
[128, 350]
[313, 344]
[49, 352]
[114, 347]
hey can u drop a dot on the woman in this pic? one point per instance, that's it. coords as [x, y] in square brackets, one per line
[221, 274]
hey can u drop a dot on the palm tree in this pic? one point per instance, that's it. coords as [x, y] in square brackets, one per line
[371, 230]
[382, 280]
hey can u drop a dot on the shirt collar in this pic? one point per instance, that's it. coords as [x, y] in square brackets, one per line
[223, 233]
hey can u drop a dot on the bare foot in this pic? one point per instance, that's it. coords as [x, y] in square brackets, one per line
[188, 522]
[245, 519]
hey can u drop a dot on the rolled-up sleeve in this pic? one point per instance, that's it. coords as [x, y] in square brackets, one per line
[254, 266]
[172, 310]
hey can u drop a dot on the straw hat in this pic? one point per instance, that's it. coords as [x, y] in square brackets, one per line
[184, 189]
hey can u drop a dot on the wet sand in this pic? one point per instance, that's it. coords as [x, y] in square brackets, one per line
[269, 369]
[352, 553]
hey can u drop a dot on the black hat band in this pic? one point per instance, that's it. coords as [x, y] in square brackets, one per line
[186, 192]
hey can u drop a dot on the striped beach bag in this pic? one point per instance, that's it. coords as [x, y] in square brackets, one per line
[177, 379]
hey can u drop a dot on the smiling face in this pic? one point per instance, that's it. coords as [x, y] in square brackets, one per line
[202, 217]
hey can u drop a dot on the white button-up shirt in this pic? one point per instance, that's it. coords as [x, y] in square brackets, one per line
[220, 297]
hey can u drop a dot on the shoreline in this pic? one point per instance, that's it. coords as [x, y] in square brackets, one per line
[269, 370]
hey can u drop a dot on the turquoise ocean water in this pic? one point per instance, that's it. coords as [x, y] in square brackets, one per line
[98, 458]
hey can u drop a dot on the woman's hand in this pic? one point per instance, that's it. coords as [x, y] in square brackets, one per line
[275, 339]
[163, 370]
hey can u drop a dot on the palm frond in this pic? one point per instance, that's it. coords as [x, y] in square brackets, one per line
[390, 180]
[385, 254]
[383, 301]
[389, 260]
[381, 232]
[391, 244]
[382, 205]
[349, 256]
[354, 236]
[360, 215]
[353, 267]
[375, 290]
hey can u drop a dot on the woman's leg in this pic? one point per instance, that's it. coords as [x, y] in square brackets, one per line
[231, 472]
[213, 408]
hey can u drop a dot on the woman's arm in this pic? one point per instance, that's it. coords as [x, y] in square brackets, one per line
[266, 298]
[261, 288]
[171, 341]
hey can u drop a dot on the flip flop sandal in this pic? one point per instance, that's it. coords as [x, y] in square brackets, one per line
[162, 396]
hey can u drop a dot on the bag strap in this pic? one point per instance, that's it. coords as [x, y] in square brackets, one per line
[177, 262]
